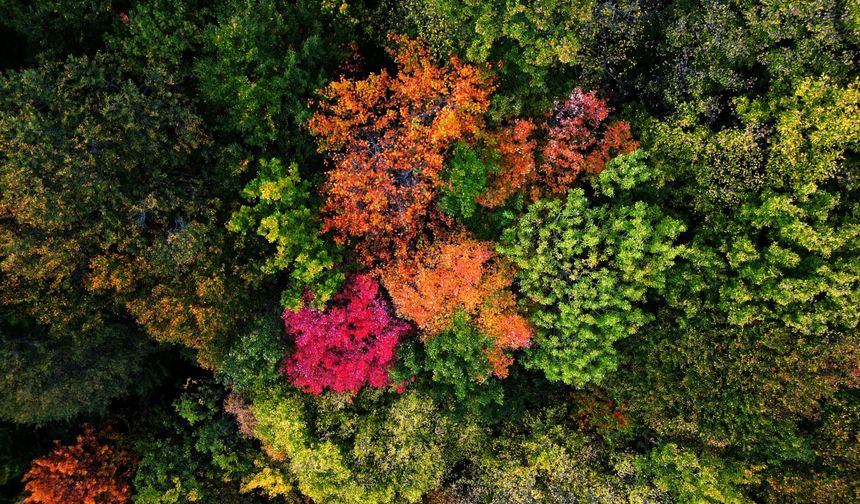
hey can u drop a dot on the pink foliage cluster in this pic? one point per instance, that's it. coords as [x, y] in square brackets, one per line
[349, 344]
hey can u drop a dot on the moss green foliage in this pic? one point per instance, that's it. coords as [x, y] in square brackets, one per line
[689, 478]
[543, 458]
[587, 266]
[261, 60]
[51, 375]
[715, 49]
[466, 175]
[282, 216]
[376, 449]
[252, 362]
[58, 27]
[102, 206]
[529, 41]
[456, 363]
[162, 32]
[757, 335]
[198, 455]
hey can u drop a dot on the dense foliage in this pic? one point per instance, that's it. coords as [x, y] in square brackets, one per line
[429, 251]
[349, 344]
[91, 470]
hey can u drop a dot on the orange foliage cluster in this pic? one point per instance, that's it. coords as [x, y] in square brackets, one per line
[88, 472]
[460, 274]
[517, 152]
[386, 137]
[575, 140]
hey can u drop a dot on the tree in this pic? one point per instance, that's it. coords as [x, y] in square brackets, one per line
[93, 470]
[105, 209]
[52, 375]
[517, 163]
[466, 175]
[283, 217]
[374, 447]
[348, 345]
[578, 141]
[756, 337]
[587, 265]
[690, 478]
[535, 44]
[544, 458]
[59, 27]
[548, 157]
[713, 51]
[193, 452]
[460, 275]
[260, 62]
[386, 137]
[458, 365]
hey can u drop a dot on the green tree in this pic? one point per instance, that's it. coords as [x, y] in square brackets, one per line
[59, 27]
[260, 63]
[105, 210]
[588, 266]
[195, 453]
[283, 217]
[535, 44]
[689, 478]
[713, 50]
[545, 458]
[371, 448]
[758, 331]
[456, 363]
[52, 374]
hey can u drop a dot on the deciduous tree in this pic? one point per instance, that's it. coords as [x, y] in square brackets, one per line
[457, 275]
[347, 346]
[93, 470]
[386, 137]
[587, 266]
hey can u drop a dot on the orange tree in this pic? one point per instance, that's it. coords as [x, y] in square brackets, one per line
[386, 137]
[91, 471]
[455, 276]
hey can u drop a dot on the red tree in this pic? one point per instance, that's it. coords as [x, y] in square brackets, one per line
[91, 471]
[578, 140]
[349, 344]
[386, 137]
[574, 139]
[460, 274]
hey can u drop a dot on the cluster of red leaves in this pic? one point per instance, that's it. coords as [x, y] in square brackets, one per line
[460, 274]
[349, 344]
[597, 411]
[576, 140]
[91, 471]
[386, 138]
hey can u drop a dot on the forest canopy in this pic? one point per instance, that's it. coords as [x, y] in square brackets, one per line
[429, 251]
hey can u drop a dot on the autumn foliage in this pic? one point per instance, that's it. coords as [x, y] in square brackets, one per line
[386, 138]
[578, 140]
[350, 344]
[460, 274]
[91, 471]
[516, 145]
[575, 138]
